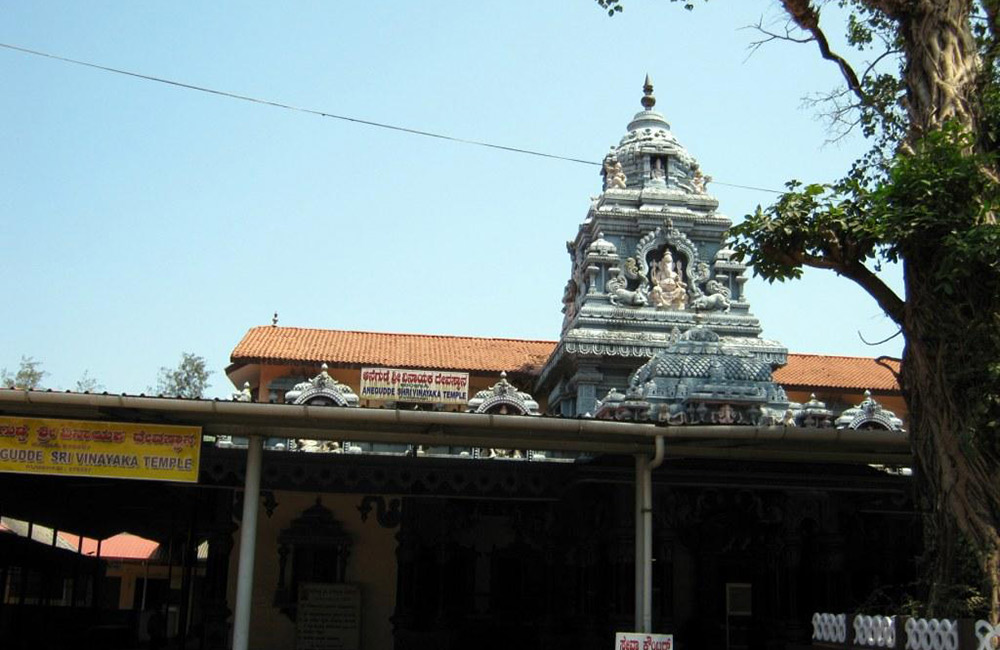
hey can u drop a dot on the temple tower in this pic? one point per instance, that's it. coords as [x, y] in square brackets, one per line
[650, 272]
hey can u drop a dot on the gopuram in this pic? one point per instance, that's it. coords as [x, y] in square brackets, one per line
[656, 325]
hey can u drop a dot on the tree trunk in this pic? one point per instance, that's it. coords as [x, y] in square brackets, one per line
[942, 63]
[940, 369]
[956, 477]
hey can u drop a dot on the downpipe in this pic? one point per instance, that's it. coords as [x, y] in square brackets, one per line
[644, 467]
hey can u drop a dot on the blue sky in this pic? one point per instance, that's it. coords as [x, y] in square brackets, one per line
[139, 221]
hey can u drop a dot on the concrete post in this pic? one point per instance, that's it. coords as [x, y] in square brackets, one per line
[248, 543]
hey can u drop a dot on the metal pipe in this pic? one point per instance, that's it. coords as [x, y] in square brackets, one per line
[660, 453]
[248, 543]
[641, 471]
[644, 536]
[206, 413]
[647, 550]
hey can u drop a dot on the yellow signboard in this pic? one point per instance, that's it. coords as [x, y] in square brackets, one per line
[155, 452]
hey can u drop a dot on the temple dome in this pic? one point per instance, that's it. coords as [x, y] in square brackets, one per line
[651, 156]
[602, 247]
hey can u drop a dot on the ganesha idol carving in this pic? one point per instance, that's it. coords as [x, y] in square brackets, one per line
[668, 288]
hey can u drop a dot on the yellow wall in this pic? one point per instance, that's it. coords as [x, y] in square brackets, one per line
[372, 565]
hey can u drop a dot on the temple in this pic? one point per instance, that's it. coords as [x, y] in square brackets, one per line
[660, 467]
[654, 308]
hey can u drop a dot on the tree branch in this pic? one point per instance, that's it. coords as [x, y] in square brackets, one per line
[886, 298]
[807, 19]
[771, 36]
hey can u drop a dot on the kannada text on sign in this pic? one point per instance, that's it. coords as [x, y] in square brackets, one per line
[105, 449]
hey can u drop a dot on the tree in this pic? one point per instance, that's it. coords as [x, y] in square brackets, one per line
[28, 377]
[926, 195]
[88, 383]
[189, 379]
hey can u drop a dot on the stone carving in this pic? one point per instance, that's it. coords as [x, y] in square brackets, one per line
[503, 398]
[614, 175]
[243, 395]
[322, 390]
[869, 414]
[569, 298]
[676, 241]
[717, 298]
[619, 295]
[699, 379]
[700, 181]
[601, 248]
[657, 172]
[631, 268]
[701, 273]
[669, 290]
[318, 446]
[812, 414]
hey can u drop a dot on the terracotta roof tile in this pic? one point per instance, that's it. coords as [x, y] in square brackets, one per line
[269, 344]
[822, 371]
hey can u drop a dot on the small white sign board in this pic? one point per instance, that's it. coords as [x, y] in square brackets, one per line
[642, 641]
[328, 617]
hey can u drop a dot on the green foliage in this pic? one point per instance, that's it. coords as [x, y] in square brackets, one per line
[615, 6]
[188, 380]
[28, 376]
[933, 206]
[88, 383]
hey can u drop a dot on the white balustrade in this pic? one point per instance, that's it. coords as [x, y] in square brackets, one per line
[829, 628]
[931, 634]
[987, 635]
[875, 631]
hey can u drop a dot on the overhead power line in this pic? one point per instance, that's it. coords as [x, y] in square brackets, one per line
[311, 111]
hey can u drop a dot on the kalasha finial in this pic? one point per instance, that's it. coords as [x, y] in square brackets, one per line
[648, 101]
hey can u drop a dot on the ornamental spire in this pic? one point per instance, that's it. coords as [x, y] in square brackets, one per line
[648, 101]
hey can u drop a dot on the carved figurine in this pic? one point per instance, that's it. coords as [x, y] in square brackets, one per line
[569, 297]
[622, 296]
[631, 268]
[614, 175]
[669, 290]
[717, 298]
[700, 181]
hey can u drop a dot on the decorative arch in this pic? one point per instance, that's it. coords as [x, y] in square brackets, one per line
[500, 395]
[869, 414]
[668, 235]
[322, 390]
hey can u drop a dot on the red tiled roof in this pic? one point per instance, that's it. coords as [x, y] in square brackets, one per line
[821, 371]
[269, 344]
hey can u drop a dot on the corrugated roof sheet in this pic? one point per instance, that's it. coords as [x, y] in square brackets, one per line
[822, 371]
[270, 344]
